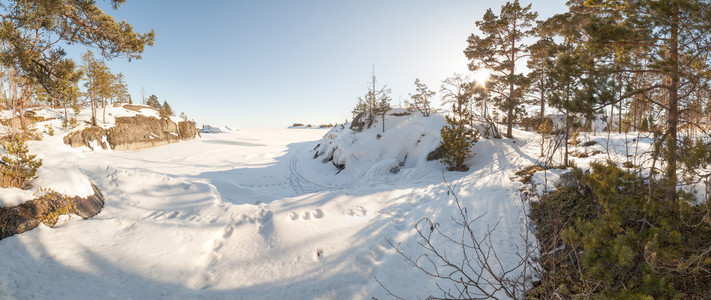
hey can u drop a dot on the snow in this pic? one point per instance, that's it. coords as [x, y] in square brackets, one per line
[251, 214]
[57, 172]
[65, 181]
[210, 129]
[14, 196]
[372, 154]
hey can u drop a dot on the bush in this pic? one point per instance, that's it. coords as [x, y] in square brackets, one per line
[18, 167]
[456, 144]
[50, 130]
[574, 139]
[611, 238]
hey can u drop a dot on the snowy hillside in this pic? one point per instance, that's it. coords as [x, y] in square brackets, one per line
[265, 214]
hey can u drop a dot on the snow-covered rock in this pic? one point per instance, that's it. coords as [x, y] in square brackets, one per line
[405, 143]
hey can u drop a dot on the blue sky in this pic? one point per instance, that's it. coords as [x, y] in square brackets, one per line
[273, 63]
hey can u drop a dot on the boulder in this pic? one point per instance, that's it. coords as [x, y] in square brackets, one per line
[46, 209]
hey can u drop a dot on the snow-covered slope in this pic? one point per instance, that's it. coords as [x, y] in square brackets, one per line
[252, 215]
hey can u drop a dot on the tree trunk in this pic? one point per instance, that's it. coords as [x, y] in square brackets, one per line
[673, 115]
[612, 116]
[567, 133]
[93, 112]
[511, 102]
[543, 118]
[619, 110]
[103, 118]
[66, 117]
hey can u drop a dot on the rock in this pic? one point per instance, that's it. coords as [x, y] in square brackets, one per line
[85, 137]
[132, 133]
[357, 124]
[90, 206]
[187, 130]
[436, 154]
[567, 180]
[138, 132]
[46, 209]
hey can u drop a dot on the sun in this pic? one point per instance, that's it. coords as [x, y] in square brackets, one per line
[481, 76]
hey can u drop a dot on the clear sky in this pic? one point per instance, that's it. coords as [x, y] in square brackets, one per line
[273, 63]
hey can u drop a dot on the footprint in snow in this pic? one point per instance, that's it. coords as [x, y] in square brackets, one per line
[319, 254]
[163, 215]
[356, 211]
[227, 232]
[307, 215]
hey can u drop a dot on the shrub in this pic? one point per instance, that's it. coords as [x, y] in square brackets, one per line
[614, 238]
[50, 129]
[574, 139]
[456, 144]
[18, 167]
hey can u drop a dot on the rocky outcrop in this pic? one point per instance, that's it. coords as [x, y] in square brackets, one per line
[86, 137]
[132, 133]
[46, 209]
[187, 130]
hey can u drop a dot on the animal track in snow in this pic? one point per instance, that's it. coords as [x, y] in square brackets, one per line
[262, 218]
[163, 215]
[307, 215]
[356, 211]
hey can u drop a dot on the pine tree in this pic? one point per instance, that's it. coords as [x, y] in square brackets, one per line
[672, 35]
[577, 83]
[33, 32]
[498, 50]
[121, 89]
[382, 107]
[165, 110]
[540, 63]
[90, 68]
[457, 136]
[18, 167]
[153, 102]
[375, 102]
[421, 99]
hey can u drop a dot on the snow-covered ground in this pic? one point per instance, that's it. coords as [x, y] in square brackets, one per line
[252, 214]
